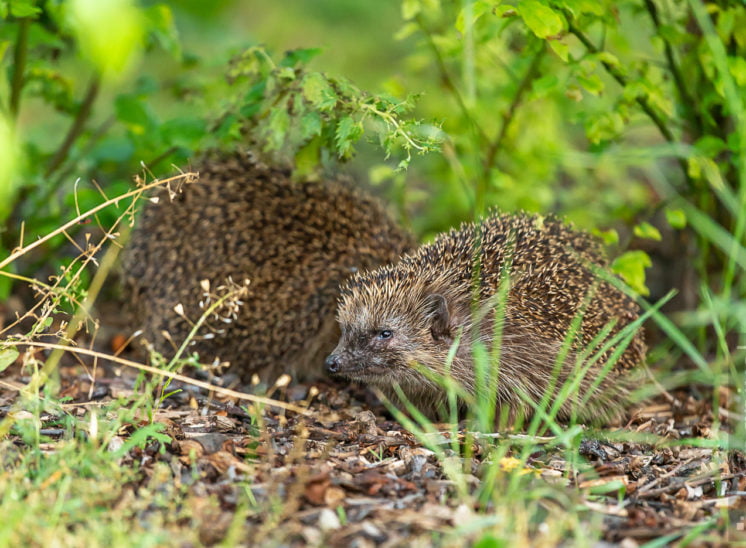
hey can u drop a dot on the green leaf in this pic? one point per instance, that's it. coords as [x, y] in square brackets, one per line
[410, 8]
[8, 356]
[296, 57]
[709, 145]
[591, 83]
[132, 111]
[308, 158]
[24, 8]
[318, 92]
[647, 231]
[631, 267]
[609, 237]
[279, 123]
[113, 149]
[540, 18]
[310, 124]
[560, 48]
[490, 541]
[184, 131]
[676, 217]
[161, 24]
[348, 131]
[110, 34]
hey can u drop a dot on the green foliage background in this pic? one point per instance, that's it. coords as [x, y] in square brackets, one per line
[626, 117]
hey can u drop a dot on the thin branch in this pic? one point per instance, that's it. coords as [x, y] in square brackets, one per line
[227, 392]
[642, 101]
[686, 100]
[448, 81]
[76, 128]
[622, 80]
[94, 138]
[509, 114]
[187, 177]
[19, 67]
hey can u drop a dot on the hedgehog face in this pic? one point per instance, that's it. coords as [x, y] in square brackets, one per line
[378, 343]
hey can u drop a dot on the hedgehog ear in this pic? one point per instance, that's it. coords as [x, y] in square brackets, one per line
[436, 309]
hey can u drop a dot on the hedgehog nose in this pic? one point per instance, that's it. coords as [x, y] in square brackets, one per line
[332, 363]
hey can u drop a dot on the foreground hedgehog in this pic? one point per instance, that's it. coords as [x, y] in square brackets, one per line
[447, 293]
[294, 243]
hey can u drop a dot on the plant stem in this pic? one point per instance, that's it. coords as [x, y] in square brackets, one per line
[686, 101]
[508, 115]
[76, 128]
[448, 81]
[622, 80]
[642, 101]
[186, 177]
[19, 67]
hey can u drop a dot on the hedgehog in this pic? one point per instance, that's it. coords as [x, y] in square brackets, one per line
[402, 319]
[284, 246]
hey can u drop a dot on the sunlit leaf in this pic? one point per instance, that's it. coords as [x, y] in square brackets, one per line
[631, 267]
[540, 18]
[647, 231]
[110, 34]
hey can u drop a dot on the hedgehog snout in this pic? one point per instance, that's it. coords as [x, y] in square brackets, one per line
[332, 363]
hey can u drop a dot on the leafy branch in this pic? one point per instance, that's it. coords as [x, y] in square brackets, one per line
[686, 100]
[640, 100]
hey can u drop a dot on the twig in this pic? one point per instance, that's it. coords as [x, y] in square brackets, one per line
[175, 376]
[19, 67]
[622, 80]
[76, 128]
[686, 101]
[188, 177]
[448, 82]
[97, 134]
[692, 483]
[649, 486]
[642, 101]
[509, 114]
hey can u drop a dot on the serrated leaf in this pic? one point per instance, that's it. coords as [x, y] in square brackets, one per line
[542, 20]
[348, 131]
[676, 217]
[277, 127]
[318, 92]
[310, 125]
[647, 231]
[299, 57]
[8, 356]
[631, 267]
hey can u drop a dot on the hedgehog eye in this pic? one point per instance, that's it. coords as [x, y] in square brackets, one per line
[383, 335]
